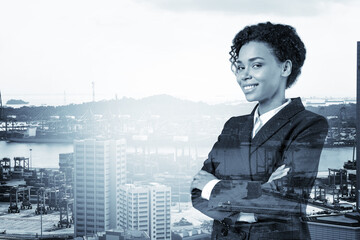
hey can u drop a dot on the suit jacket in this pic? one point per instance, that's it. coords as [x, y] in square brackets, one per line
[294, 137]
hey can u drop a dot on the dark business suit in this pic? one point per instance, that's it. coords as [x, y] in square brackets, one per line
[294, 137]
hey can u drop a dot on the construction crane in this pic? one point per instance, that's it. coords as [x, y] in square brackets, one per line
[14, 200]
[54, 196]
[66, 206]
[41, 209]
[25, 194]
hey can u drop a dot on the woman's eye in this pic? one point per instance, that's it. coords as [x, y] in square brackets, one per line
[257, 65]
[239, 68]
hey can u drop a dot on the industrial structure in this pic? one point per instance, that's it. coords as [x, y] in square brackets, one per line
[342, 226]
[43, 190]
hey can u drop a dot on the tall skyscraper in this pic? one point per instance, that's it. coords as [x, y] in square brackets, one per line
[99, 171]
[146, 208]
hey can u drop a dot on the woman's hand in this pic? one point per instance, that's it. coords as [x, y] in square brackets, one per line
[201, 179]
[279, 173]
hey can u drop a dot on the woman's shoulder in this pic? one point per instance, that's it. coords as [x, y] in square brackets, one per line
[311, 116]
[306, 120]
[300, 113]
[239, 119]
[237, 122]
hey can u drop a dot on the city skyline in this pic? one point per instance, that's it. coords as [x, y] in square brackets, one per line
[51, 52]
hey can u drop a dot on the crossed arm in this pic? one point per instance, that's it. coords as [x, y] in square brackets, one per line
[297, 171]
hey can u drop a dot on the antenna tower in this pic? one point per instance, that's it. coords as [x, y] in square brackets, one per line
[93, 91]
[1, 108]
[64, 98]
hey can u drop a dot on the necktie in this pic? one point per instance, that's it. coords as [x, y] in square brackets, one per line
[257, 125]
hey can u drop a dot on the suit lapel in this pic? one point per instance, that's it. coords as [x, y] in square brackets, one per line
[245, 130]
[276, 123]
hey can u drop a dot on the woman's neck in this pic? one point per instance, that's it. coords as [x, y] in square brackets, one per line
[264, 107]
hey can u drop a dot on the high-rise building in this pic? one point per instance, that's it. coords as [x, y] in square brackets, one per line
[121, 234]
[334, 227]
[146, 207]
[99, 171]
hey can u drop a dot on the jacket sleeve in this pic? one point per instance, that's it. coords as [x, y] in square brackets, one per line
[279, 199]
[202, 204]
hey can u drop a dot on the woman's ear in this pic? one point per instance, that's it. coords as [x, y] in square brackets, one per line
[286, 68]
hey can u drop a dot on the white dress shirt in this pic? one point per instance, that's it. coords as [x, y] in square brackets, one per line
[259, 122]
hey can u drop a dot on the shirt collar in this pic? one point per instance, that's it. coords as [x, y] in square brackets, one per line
[269, 114]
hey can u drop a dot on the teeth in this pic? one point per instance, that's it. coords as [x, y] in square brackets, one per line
[249, 87]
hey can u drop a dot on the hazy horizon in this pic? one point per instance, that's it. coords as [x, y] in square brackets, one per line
[39, 102]
[143, 48]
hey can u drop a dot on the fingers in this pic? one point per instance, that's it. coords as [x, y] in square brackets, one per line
[201, 179]
[204, 175]
[280, 168]
[196, 183]
[279, 173]
[283, 173]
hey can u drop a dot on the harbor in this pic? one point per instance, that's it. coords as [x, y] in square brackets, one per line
[332, 194]
[168, 148]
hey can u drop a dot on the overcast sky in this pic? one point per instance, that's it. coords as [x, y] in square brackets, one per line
[138, 48]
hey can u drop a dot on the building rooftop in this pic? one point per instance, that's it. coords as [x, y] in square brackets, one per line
[349, 220]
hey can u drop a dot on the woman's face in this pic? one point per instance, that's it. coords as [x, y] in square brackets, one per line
[260, 74]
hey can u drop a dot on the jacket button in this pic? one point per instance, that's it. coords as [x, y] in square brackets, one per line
[242, 235]
[224, 231]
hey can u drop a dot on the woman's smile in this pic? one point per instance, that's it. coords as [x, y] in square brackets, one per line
[260, 75]
[249, 87]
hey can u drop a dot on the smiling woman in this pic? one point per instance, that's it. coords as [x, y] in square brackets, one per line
[261, 76]
[259, 174]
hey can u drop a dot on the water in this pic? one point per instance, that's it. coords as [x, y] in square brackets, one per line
[335, 157]
[46, 155]
[43, 155]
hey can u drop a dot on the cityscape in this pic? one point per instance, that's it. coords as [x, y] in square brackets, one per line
[109, 109]
[127, 174]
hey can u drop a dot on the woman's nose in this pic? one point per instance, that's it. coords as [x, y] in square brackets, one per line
[244, 75]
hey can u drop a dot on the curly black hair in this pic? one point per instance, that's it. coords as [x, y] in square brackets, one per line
[283, 39]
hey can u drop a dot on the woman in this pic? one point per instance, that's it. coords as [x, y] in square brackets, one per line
[260, 172]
